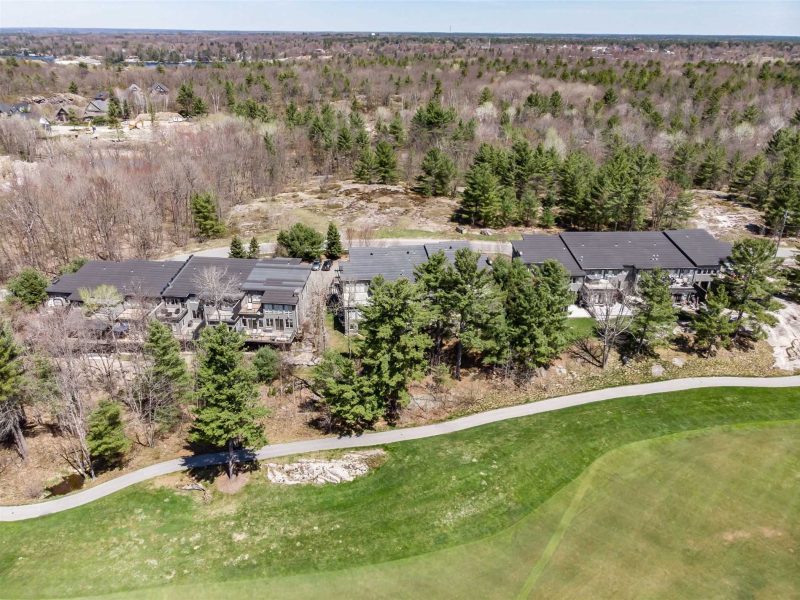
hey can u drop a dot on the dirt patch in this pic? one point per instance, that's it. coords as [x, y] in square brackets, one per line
[231, 485]
[723, 218]
[743, 534]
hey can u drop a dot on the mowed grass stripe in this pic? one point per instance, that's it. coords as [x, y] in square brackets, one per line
[431, 495]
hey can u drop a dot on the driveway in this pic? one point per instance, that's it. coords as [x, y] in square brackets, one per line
[482, 246]
[30, 511]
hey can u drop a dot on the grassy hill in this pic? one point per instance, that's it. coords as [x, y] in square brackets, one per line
[673, 495]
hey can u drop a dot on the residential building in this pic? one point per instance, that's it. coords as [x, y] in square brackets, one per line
[353, 276]
[604, 265]
[266, 299]
[95, 108]
[139, 284]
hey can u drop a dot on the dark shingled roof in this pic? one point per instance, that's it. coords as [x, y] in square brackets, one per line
[701, 248]
[185, 282]
[146, 278]
[617, 250]
[450, 248]
[281, 280]
[393, 263]
[537, 248]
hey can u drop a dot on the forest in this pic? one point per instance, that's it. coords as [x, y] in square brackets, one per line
[524, 132]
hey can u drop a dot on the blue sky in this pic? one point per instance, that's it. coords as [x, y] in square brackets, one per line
[721, 17]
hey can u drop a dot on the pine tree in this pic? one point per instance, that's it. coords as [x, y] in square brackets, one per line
[481, 198]
[204, 213]
[473, 306]
[393, 344]
[438, 172]
[430, 278]
[29, 288]
[711, 169]
[385, 163]
[333, 242]
[301, 241]
[575, 187]
[654, 316]
[228, 414]
[553, 279]
[267, 364]
[168, 365]
[12, 417]
[534, 336]
[254, 248]
[237, 248]
[73, 87]
[397, 131]
[351, 403]
[105, 436]
[186, 99]
[366, 167]
[752, 279]
[713, 324]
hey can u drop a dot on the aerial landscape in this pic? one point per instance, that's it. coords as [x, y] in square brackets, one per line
[447, 299]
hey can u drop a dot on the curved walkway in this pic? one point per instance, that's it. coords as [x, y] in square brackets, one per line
[30, 511]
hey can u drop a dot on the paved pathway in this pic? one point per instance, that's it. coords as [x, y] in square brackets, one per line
[30, 511]
[485, 246]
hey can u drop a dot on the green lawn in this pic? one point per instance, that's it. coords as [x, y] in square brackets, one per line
[576, 503]
[580, 328]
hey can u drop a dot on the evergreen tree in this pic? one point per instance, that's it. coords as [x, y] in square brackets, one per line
[575, 187]
[480, 203]
[385, 163]
[168, 365]
[204, 213]
[654, 316]
[785, 187]
[228, 414]
[397, 131]
[333, 242]
[553, 281]
[438, 172]
[534, 336]
[254, 248]
[752, 279]
[267, 364]
[301, 241]
[430, 279]
[473, 307]
[237, 248]
[105, 437]
[186, 99]
[73, 87]
[681, 166]
[366, 167]
[393, 345]
[29, 287]
[711, 169]
[712, 323]
[351, 403]
[12, 416]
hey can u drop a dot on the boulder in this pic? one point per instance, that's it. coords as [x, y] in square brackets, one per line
[657, 370]
[678, 362]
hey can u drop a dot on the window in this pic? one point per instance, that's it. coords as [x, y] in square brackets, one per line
[290, 323]
[269, 323]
